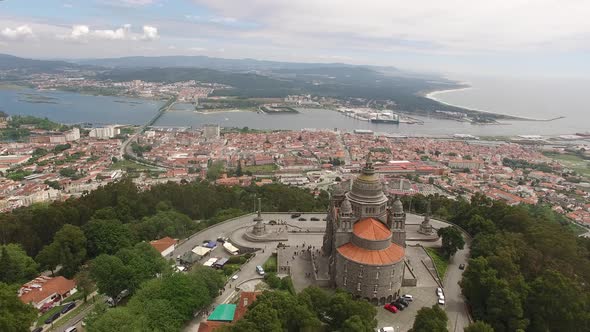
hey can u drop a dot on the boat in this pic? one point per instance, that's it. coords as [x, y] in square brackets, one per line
[386, 117]
[586, 134]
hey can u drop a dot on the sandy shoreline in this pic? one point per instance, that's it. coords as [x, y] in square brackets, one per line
[432, 95]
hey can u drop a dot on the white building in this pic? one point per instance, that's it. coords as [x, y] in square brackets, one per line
[105, 132]
[211, 131]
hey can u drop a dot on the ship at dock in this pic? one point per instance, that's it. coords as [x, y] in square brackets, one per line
[384, 117]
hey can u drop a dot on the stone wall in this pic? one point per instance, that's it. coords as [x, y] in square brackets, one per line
[378, 284]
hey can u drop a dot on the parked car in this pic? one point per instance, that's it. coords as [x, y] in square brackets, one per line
[296, 215]
[71, 329]
[67, 307]
[439, 292]
[399, 306]
[402, 301]
[314, 219]
[386, 329]
[461, 266]
[408, 297]
[259, 270]
[390, 307]
[222, 239]
[441, 300]
[302, 219]
[38, 329]
[52, 318]
[234, 277]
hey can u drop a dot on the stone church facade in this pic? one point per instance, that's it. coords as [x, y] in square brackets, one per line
[365, 239]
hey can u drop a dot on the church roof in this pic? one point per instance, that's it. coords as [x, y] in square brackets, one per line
[371, 229]
[389, 255]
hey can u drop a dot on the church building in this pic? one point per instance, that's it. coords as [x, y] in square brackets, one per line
[365, 239]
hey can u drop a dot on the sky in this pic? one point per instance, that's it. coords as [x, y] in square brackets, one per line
[517, 38]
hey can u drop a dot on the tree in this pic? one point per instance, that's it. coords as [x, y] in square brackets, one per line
[432, 319]
[15, 316]
[264, 317]
[343, 306]
[8, 268]
[144, 263]
[110, 274]
[114, 320]
[479, 326]
[164, 223]
[84, 283]
[107, 236]
[556, 303]
[452, 240]
[356, 324]
[68, 249]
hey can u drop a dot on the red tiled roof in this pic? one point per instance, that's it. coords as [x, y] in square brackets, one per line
[390, 255]
[163, 243]
[41, 288]
[371, 229]
[209, 326]
[246, 299]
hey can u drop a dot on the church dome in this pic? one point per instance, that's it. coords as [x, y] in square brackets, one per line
[367, 187]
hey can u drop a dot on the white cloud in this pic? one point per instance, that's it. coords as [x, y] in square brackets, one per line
[83, 33]
[122, 33]
[19, 33]
[197, 49]
[150, 33]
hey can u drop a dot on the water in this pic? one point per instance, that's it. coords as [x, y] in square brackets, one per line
[69, 107]
[538, 99]
[535, 99]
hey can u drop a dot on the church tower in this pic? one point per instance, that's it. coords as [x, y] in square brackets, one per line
[398, 223]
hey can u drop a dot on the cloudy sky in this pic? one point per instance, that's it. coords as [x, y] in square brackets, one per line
[503, 37]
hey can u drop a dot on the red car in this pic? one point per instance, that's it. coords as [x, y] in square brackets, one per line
[390, 307]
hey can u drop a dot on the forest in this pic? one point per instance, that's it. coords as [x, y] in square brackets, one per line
[527, 272]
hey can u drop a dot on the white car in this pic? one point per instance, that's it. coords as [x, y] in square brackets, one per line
[386, 329]
[439, 292]
[441, 300]
[234, 277]
[408, 297]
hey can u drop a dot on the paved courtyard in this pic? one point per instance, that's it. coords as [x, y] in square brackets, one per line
[305, 238]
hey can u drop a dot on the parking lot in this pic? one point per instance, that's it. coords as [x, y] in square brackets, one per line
[403, 320]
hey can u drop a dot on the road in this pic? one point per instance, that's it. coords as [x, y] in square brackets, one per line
[455, 303]
[125, 146]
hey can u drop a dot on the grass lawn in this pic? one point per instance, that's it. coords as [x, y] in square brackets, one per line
[260, 168]
[439, 261]
[578, 164]
[131, 165]
[271, 264]
[72, 313]
[41, 320]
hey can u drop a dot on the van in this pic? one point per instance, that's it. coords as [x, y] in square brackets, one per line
[259, 270]
[71, 329]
